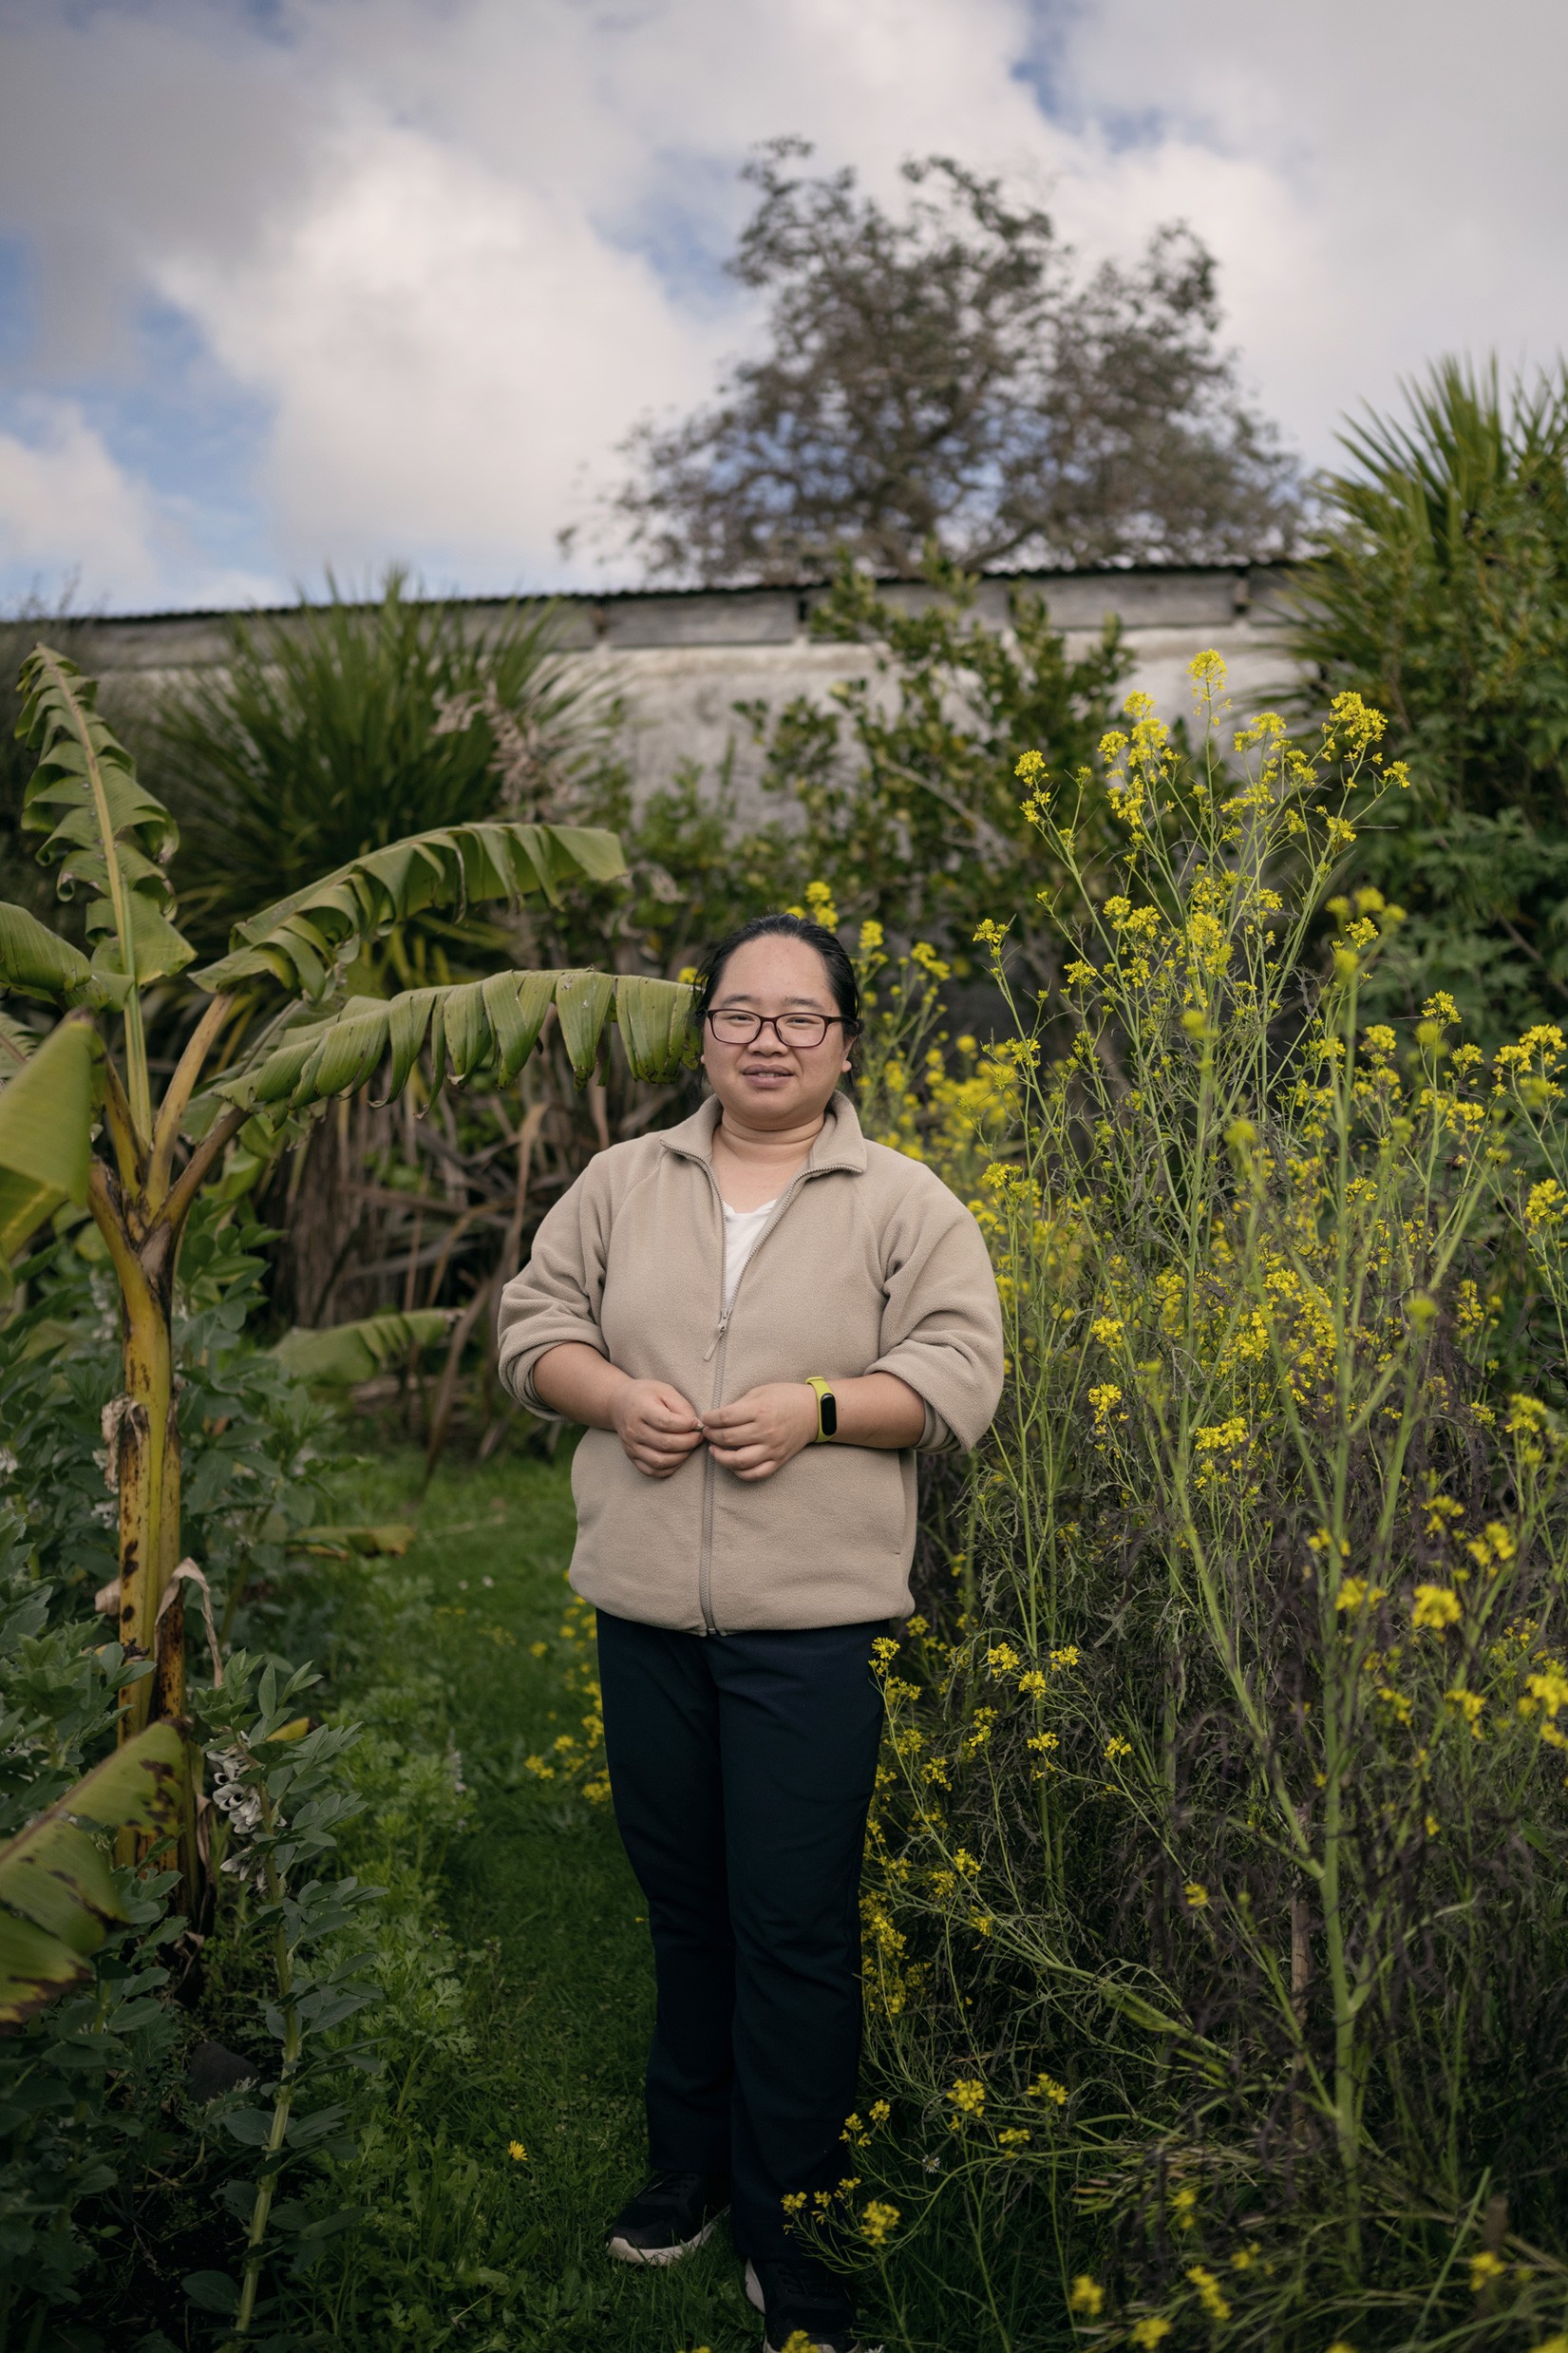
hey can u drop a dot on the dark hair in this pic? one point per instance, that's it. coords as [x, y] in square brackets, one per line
[840, 972]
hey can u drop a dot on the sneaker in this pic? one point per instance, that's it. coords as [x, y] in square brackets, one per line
[677, 2213]
[801, 2297]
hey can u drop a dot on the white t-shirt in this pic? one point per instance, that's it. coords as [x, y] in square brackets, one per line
[742, 1232]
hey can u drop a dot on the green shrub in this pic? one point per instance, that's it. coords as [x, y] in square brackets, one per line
[1440, 595]
[1214, 1927]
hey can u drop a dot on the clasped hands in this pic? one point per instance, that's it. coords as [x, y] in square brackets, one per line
[753, 1438]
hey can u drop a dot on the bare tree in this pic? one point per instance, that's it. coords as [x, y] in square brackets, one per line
[947, 375]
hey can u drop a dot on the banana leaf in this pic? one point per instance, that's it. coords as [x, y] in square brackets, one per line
[473, 1028]
[45, 1134]
[347, 1353]
[102, 828]
[304, 939]
[36, 962]
[58, 1897]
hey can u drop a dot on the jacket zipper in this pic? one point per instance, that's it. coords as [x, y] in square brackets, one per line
[716, 1348]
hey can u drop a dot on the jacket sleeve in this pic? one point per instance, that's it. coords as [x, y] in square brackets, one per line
[942, 1321]
[557, 1296]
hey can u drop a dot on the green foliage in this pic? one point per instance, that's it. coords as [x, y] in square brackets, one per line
[1226, 1755]
[84, 798]
[46, 1124]
[281, 1799]
[1441, 594]
[912, 812]
[335, 730]
[306, 940]
[347, 1353]
[58, 1894]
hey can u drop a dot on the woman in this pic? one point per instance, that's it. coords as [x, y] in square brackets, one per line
[760, 1317]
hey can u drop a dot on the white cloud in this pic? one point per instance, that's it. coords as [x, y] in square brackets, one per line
[65, 507]
[449, 250]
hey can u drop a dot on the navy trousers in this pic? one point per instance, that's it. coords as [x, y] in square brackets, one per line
[741, 1767]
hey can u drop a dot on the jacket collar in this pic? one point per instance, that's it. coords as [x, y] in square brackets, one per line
[840, 1144]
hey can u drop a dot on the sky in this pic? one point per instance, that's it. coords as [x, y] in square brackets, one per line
[291, 287]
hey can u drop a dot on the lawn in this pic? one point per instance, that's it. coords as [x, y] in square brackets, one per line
[464, 2243]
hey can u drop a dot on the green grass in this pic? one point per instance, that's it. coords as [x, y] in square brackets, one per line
[548, 1971]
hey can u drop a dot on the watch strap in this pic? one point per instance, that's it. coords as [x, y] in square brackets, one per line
[827, 1408]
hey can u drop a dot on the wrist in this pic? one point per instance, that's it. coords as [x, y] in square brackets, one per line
[824, 1410]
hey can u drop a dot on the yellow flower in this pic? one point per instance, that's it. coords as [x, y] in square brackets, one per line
[1153, 2331]
[1196, 1894]
[1484, 2269]
[1116, 1747]
[1209, 2294]
[968, 2096]
[1356, 1594]
[990, 936]
[1002, 1658]
[517, 2154]
[878, 2221]
[1087, 2297]
[1106, 1329]
[1046, 2087]
[1103, 1397]
[1435, 1606]
[1033, 1684]
[1014, 2137]
[1468, 1704]
[820, 900]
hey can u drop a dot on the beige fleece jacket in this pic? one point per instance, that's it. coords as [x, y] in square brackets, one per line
[868, 1264]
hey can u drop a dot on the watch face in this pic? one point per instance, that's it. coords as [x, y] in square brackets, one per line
[827, 1408]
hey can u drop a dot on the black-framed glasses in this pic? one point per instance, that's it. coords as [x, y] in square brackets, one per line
[739, 1027]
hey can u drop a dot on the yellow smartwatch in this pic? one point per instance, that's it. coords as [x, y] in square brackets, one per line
[828, 1409]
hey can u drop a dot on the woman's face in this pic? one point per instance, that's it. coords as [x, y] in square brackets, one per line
[775, 1081]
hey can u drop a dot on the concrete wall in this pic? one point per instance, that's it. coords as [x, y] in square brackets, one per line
[681, 660]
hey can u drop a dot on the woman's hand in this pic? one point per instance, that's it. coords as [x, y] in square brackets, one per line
[655, 1426]
[763, 1429]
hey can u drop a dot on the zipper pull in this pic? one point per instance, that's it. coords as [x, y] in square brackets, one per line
[712, 1346]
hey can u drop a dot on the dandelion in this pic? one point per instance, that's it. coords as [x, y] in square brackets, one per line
[878, 2220]
[1087, 2297]
[517, 2154]
[1435, 1606]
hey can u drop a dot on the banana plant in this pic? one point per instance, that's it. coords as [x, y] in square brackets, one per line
[285, 1035]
